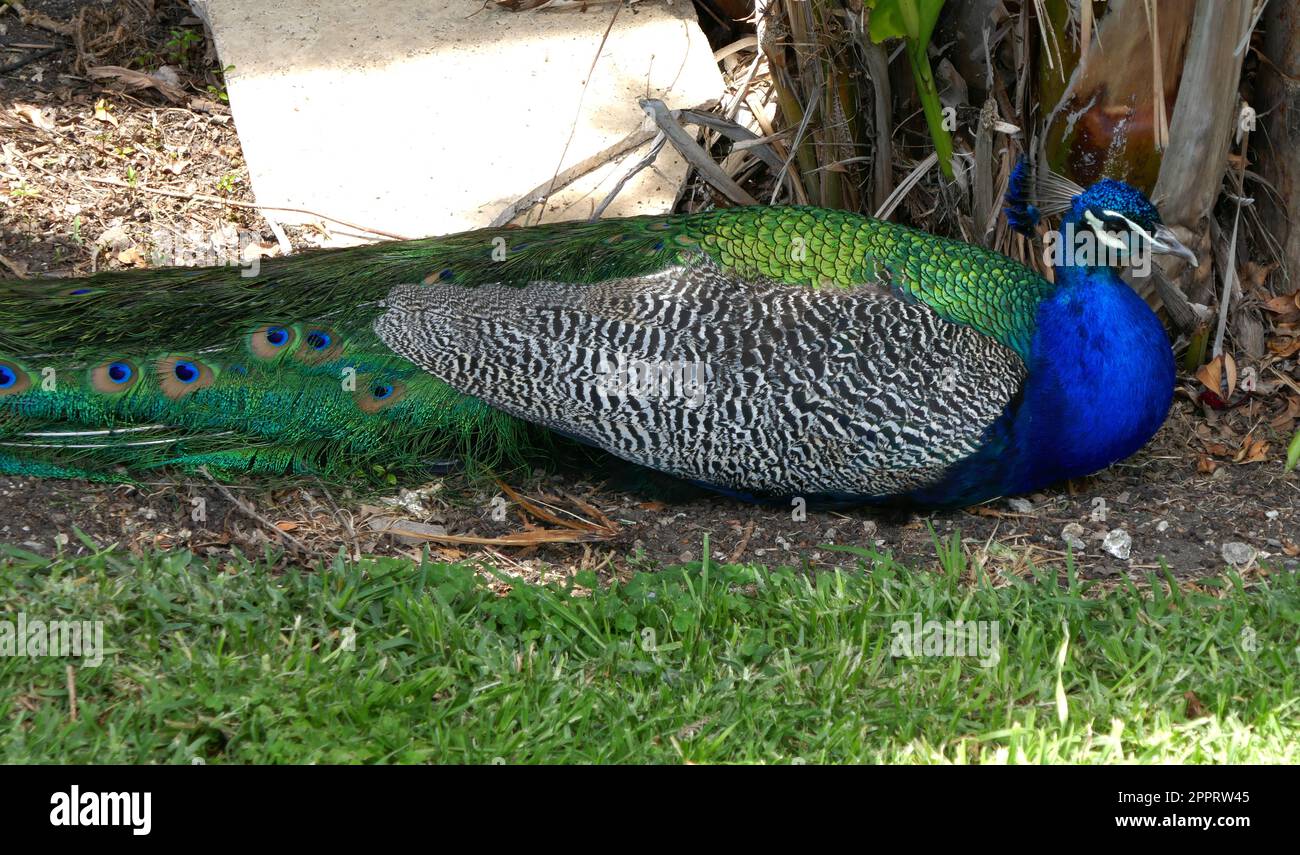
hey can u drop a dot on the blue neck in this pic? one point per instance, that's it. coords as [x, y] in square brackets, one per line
[1101, 379]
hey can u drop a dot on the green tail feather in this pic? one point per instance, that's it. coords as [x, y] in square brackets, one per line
[281, 373]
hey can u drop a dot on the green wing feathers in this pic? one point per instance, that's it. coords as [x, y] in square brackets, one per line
[282, 373]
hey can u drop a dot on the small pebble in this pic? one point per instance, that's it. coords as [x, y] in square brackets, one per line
[1237, 553]
[1072, 534]
[1021, 506]
[1118, 543]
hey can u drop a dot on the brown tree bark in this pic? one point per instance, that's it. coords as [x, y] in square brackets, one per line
[1279, 95]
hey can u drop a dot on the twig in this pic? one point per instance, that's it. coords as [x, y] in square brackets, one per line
[248, 511]
[286, 248]
[346, 520]
[641, 164]
[203, 197]
[541, 192]
[27, 60]
[1230, 266]
[744, 542]
[744, 138]
[907, 184]
[795, 145]
[581, 97]
[695, 156]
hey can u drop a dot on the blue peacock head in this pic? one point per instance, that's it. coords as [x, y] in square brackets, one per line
[1121, 221]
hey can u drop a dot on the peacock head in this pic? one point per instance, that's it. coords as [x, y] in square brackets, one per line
[1111, 220]
[1122, 220]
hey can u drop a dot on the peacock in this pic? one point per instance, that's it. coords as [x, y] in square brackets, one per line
[762, 352]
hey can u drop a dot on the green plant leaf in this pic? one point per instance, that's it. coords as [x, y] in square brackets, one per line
[1293, 452]
[914, 21]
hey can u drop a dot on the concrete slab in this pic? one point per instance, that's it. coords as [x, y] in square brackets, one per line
[421, 118]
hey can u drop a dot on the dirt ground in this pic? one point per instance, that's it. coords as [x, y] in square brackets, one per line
[83, 159]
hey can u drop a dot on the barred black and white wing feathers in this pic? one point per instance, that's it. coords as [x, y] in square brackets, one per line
[743, 383]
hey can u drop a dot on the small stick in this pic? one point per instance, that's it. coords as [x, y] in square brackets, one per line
[734, 557]
[27, 60]
[248, 511]
[696, 156]
[203, 197]
[346, 520]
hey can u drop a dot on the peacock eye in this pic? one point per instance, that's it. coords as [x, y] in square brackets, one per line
[318, 340]
[8, 377]
[120, 372]
[186, 372]
[381, 391]
[277, 336]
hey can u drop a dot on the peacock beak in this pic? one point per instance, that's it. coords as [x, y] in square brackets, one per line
[1163, 241]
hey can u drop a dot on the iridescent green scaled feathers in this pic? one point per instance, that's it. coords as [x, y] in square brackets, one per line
[282, 373]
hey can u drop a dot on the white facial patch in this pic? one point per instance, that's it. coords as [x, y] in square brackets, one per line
[1132, 225]
[1099, 229]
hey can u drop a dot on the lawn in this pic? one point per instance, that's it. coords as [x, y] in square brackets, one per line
[388, 660]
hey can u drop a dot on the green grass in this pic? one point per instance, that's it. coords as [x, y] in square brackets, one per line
[235, 662]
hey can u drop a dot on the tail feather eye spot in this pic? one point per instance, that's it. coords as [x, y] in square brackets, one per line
[186, 372]
[270, 341]
[320, 345]
[13, 380]
[179, 376]
[378, 395]
[112, 377]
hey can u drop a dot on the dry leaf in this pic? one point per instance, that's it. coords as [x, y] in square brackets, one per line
[1283, 421]
[1195, 709]
[45, 22]
[1284, 304]
[1284, 347]
[138, 80]
[1211, 374]
[35, 115]
[286, 525]
[132, 256]
[18, 268]
[1254, 275]
[1230, 366]
[1251, 451]
[1205, 466]
[102, 108]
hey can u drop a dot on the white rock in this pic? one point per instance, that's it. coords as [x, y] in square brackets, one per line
[1021, 506]
[1072, 534]
[1237, 553]
[1163, 525]
[424, 118]
[1118, 543]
